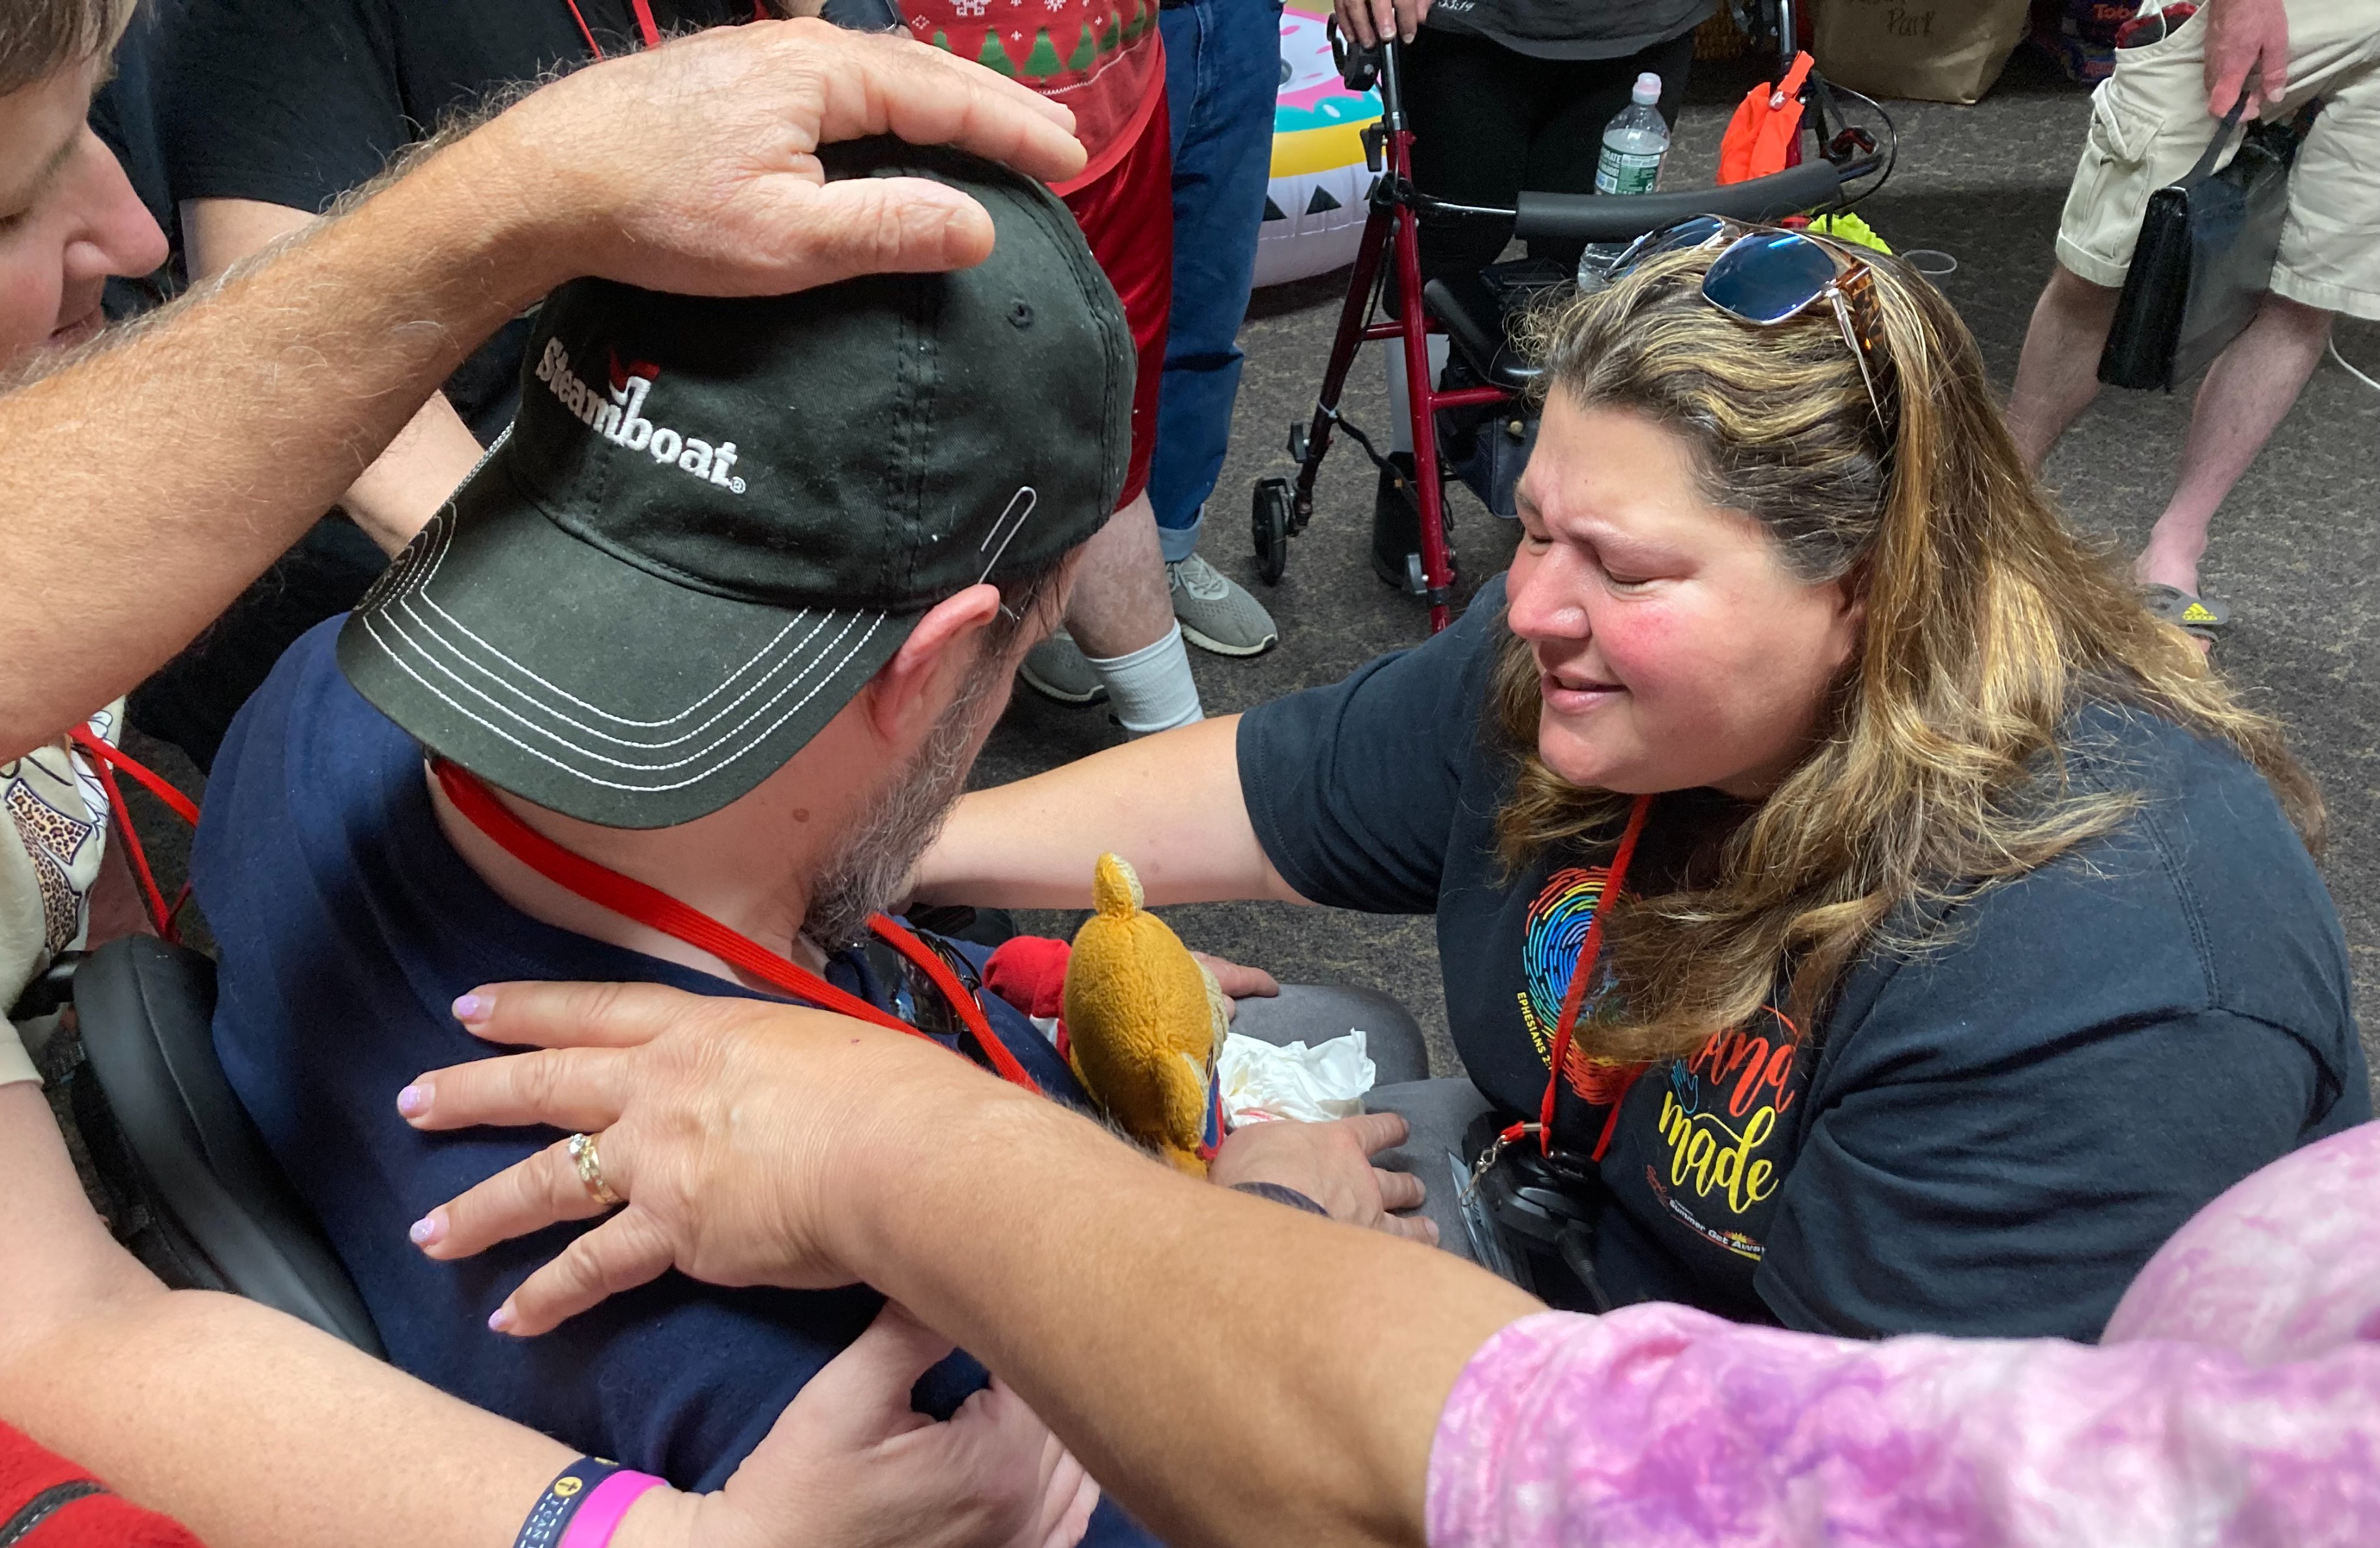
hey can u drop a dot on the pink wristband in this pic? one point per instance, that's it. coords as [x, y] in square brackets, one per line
[597, 1516]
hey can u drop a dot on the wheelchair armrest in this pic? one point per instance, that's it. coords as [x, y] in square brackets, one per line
[1616, 218]
[145, 1011]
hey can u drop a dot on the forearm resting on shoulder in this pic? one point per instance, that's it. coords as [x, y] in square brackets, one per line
[247, 1426]
[1171, 805]
[396, 497]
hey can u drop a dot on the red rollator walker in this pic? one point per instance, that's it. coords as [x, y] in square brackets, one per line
[1473, 310]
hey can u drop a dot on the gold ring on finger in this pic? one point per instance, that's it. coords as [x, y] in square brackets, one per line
[590, 1169]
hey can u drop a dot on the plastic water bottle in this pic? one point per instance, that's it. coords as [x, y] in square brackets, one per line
[1634, 142]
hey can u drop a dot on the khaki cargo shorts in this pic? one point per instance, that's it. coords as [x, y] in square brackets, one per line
[2149, 126]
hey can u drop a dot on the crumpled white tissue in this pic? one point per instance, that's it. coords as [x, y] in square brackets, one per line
[1261, 1081]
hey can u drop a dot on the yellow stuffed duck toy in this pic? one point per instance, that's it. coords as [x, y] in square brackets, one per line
[1144, 1023]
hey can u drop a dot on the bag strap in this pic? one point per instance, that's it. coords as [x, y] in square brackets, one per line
[2215, 148]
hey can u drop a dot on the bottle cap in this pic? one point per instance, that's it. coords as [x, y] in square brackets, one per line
[1649, 88]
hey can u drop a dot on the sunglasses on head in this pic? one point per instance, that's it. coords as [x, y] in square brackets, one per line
[1767, 275]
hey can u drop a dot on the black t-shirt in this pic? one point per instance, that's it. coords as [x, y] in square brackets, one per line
[1568, 30]
[1988, 1137]
[296, 101]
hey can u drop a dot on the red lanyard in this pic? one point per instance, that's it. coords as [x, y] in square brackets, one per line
[106, 760]
[646, 27]
[651, 906]
[1580, 975]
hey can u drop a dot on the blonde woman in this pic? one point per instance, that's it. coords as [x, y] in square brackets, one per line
[1966, 938]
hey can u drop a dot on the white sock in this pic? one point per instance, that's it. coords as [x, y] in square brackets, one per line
[1151, 689]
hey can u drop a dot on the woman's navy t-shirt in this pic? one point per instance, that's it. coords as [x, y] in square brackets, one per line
[347, 926]
[1987, 1137]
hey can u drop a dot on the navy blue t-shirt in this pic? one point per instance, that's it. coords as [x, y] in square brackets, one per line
[347, 926]
[1988, 1136]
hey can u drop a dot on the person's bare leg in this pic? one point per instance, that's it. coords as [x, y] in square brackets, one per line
[2057, 375]
[2247, 390]
[1121, 602]
[1121, 620]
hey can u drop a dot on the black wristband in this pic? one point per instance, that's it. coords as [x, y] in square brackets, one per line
[1281, 1196]
[550, 1518]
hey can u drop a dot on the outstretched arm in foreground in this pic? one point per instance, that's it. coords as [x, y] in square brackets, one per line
[1231, 1370]
[1238, 1372]
[149, 481]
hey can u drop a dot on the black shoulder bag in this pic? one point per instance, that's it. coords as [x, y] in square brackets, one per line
[2204, 258]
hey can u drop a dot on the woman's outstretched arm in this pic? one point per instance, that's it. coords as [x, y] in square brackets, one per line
[1170, 803]
[1239, 1372]
[1235, 1371]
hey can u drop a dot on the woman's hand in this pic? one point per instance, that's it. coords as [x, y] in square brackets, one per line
[722, 1121]
[1332, 1164]
[1367, 22]
[1238, 983]
[851, 1465]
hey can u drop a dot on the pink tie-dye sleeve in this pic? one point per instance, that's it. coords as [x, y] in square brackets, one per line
[2256, 1424]
[1661, 1425]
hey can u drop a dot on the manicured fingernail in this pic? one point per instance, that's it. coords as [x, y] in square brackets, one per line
[427, 1229]
[471, 1008]
[501, 1319]
[414, 1100]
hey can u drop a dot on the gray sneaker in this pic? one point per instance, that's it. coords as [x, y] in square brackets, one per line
[1216, 612]
[1057, 668]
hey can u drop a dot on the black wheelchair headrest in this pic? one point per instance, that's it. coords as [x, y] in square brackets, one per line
[172, 1142]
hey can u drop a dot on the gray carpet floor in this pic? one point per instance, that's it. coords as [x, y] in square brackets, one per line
[2295, 549]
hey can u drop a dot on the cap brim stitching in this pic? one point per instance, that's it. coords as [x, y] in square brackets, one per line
[396, 659]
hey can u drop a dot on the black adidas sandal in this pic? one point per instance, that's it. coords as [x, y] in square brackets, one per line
[2198, 617]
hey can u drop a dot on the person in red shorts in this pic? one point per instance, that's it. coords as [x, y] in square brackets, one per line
[1105, 60]
[47, 1502]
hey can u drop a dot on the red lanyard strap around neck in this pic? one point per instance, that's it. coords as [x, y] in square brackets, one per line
[106, 760]
[647, 27]
[1583, 972]
[630, 899]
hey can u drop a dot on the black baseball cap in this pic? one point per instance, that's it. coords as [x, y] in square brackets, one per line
[711, 520]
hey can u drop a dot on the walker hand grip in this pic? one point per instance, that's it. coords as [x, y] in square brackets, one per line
[1618, 217]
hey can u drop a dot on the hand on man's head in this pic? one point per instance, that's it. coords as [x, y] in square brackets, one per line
[692, 167]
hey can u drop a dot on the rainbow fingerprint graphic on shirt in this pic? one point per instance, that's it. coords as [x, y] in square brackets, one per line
[1558, 921]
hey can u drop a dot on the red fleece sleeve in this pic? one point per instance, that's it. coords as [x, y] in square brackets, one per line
[47, 1502]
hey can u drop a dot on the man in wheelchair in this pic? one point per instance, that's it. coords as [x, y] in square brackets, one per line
[674, 690]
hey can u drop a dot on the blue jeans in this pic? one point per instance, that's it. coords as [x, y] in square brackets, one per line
[1222, 69]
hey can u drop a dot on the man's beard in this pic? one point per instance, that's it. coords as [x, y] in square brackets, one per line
[867, 870]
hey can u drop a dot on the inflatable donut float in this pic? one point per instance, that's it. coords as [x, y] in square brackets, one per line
[1314, 208]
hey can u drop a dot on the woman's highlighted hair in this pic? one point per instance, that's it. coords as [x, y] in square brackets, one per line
[1988, 624]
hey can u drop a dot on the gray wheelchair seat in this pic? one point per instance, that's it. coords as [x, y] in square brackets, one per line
[194, 1190]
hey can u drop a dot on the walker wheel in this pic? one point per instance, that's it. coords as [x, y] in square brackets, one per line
[1269, 525]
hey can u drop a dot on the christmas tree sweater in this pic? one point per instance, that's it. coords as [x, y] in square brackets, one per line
[1102, 59]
